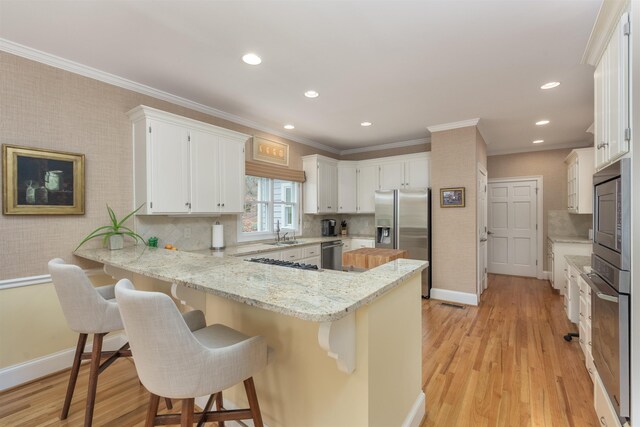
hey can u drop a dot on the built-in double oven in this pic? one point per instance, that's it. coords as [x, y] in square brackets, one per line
[610, 280]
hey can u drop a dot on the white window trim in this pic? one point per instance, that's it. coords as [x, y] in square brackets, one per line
[270, 235]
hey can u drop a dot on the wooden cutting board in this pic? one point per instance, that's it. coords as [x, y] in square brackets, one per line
[371, 257]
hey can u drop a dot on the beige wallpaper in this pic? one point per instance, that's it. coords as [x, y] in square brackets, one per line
[45, 107]
[550, 164]
[454, 157]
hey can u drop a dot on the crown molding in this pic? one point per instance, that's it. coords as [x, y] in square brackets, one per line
[112, 79]
[606, 21]
[453, 125]
[540, 147]
[386, 146]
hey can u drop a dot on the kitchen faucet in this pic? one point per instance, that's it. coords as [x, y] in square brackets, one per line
[278, 231]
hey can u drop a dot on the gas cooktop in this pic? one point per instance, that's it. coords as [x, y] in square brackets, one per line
[291, 264]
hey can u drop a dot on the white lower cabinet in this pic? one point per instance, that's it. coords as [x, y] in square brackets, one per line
[361, 243]
[604, 410]
[303, 254]
[558, 264]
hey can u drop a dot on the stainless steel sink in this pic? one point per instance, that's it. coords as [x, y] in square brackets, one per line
[287, 243]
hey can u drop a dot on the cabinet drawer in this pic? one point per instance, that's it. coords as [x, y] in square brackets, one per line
[583, 344]
[309, 251]
[292, 254]
[604, 410]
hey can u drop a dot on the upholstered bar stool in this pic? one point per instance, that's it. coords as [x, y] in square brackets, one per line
[88, 310]
[183, 358]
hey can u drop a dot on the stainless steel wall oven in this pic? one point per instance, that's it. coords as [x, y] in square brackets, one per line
[610, 281]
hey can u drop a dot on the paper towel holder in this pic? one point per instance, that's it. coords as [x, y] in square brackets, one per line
[213, 228]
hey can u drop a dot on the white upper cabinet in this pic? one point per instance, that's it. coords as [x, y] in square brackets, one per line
[611, 87]
[580, 169]
[401, 175]
[366, 188]
[182, 166]
[351, 185]
[347, 188]
[391, 175]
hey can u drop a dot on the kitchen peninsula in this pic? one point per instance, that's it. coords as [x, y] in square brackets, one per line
[370, 323]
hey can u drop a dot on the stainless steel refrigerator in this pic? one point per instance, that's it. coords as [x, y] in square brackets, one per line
[403, 221]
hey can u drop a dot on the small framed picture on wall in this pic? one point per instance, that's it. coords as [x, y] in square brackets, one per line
[452, 197]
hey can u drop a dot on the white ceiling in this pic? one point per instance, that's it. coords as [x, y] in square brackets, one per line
[403, 65]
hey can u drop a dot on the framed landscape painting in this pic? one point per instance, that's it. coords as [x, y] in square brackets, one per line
[452, 197]
[41, 182]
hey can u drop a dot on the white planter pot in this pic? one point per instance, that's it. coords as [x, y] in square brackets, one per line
[116, 242]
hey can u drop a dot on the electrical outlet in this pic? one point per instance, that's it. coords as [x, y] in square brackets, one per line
[187, 232]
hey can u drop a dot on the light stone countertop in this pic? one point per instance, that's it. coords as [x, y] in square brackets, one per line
[569, 239]
[578, 262]
[317, 296]
[245, 249]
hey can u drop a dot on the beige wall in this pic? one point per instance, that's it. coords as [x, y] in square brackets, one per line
[455, 155]
[420, 148]
[550, 165]
[45, 107]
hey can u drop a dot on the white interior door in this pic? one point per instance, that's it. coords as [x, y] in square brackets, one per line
[482, 231]
[512, 220]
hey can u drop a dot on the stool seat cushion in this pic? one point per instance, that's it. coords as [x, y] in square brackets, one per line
[107, 292]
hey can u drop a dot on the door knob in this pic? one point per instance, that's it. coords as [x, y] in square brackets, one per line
[489, 232]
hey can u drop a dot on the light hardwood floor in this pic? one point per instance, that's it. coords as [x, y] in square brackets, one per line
[502, 364]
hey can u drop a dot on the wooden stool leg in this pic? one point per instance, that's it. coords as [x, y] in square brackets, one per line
[154, 401]
[93, 378]
[186, 418]
[167, 401]
[73, 377]
[219, 406]
[250, 388]
[206, 409]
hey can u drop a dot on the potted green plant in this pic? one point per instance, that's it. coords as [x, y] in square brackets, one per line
[113, 234]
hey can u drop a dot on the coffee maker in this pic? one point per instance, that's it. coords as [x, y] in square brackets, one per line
[329, 227]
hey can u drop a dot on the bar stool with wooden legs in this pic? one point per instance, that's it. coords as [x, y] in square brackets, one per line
[88, 310]
[184, 359]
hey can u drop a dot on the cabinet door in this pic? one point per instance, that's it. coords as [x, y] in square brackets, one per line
[169, 147]
[618, 91]
[231, 173]
[416, 173]
[327, 187]
[347, 189]
[600, 101]
[367, 186]
[392, 176]
[205, 179]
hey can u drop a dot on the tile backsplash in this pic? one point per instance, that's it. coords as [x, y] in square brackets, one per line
[562, 223]
[193, 233]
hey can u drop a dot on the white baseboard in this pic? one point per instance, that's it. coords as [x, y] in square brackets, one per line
[202, 402]
[546, 275]
[416, 414]
[21, 373]
[454, 296]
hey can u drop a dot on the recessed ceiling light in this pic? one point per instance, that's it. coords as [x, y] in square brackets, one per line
[542, 122]
[251, 59]
[289, 127]
[550, 85]
[311, 94]
[365, 124]
[538, 141]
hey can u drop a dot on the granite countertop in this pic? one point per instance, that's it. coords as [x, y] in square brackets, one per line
[317, 296]
[579, 262]
[569, 239]
[260, 247]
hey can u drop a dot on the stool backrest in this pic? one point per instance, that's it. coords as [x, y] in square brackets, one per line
[84, 308]
[168, 357]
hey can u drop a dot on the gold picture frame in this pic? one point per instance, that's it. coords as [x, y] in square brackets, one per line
[37, 181]
[269, 151]
[452, 197]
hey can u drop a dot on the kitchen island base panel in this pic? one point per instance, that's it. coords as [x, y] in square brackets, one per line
[302, 386]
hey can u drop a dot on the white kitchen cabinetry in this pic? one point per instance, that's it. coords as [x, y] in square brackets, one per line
[406, 174]
[558, 264]
[347, 188]
[580, 169]
[361, 243]
[367, 186]
[321, 185]
[182, 166]
[572, 294]
[305, 254]
[611, 86]
[584, 315]
[350, 186]
[604, 409]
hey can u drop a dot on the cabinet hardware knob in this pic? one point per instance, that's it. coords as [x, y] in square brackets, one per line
[602, 421]
[591, 371]
[223, 205]
[218, 204]
[186, 203]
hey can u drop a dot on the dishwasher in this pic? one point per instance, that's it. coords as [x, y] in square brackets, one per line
[332, 255]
